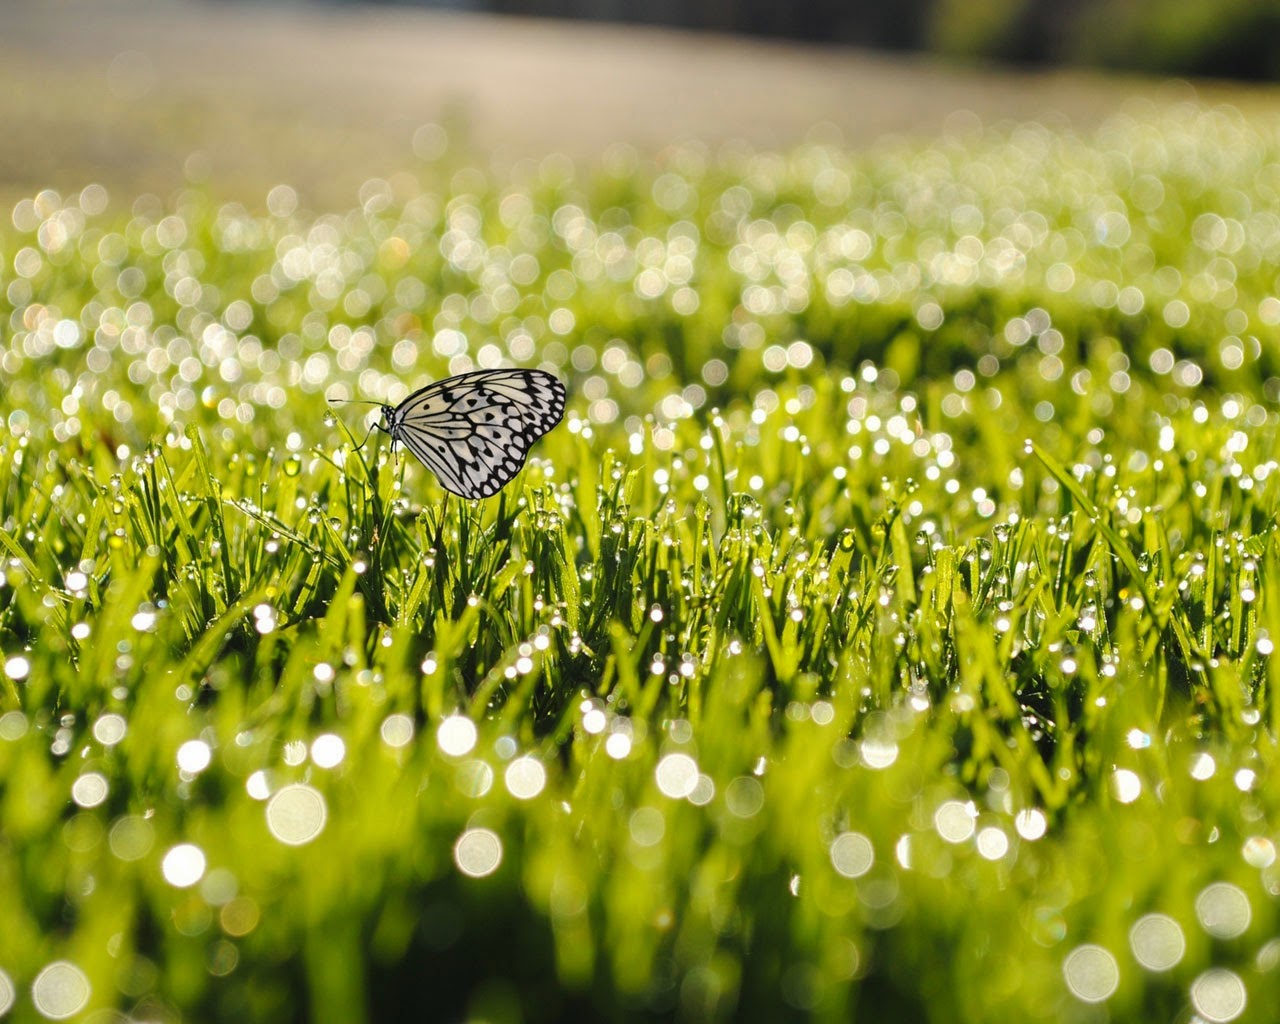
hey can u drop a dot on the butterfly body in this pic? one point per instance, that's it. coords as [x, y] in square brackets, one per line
[474, 430]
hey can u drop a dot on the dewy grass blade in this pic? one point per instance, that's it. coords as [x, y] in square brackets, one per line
[1117, 545]
[213, 504]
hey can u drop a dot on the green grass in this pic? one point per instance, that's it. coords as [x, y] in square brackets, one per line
[887, 629]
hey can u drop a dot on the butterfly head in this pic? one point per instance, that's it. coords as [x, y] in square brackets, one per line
[388, 423]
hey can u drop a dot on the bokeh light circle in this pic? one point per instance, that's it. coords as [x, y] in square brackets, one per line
[183, 865]
[992, 842]
[456, 735]
[1031, 823]
[525, 778]
[1219, 995]
[60, 990]
[1223, 910]
[194, 756]
[676, 775]
[744, 796]
[852, 854]
[954, 821]
[296, 814]
[1157, 942]
[110, 729]
[1126, 786]
[131, 837]
[1092, 973]
[90, 789]
[328, 750]
[478, 852]
[396, 730]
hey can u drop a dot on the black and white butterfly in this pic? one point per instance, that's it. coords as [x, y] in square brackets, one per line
[474, 430]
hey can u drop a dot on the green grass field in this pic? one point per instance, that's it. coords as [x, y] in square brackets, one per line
[886, 632]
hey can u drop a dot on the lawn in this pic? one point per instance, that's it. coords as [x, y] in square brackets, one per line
[885, 633]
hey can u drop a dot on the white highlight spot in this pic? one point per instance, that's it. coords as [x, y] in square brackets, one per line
[1203, 766]
[478, 852]
[258, 785]
[1259, 852]
[109, 729]
[676, 775]
[954, 821]
[902, 850]
[878, 753]
[1031, 824]
[1125, 785]
[7, 993]
[328, 750]
[525, 778]
[90, 789]
[397, 730]
[183, 865]
[1157, 942]
[852, 854]
[194, 756]
[296, 814]
[1223, 910]
[1091, 973]
[60, 990]
[1137, 739]
[1219, 995]
[456, 735]
[992, 843]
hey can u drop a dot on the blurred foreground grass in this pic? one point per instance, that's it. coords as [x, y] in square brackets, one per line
[888, 629]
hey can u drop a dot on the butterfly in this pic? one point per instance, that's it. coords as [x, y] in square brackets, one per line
[474, 430]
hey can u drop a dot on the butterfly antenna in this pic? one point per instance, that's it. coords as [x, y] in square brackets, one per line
[351, 401]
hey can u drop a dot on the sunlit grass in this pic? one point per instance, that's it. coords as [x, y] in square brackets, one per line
[887, 629]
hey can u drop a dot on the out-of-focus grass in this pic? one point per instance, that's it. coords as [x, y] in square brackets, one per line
[888, 628]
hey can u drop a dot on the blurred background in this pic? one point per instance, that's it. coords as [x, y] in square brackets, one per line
[150, 96]
[1234, 38]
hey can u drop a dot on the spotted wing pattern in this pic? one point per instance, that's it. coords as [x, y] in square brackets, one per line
[474, 430]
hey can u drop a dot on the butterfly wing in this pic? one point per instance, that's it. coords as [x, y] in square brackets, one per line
[474, 430]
